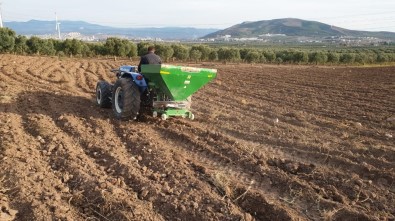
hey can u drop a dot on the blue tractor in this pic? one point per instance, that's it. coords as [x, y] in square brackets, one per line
[163, 90]
[125, 95]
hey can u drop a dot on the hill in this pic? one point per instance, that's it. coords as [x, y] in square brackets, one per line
[36, 27]
[294, 27]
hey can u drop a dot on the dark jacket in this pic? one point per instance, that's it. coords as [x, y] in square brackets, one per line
[150, 58]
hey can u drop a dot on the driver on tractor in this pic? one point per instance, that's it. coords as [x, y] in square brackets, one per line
[149, 58]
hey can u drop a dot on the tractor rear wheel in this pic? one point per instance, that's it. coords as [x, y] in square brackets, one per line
[125, 99]
[103, 94]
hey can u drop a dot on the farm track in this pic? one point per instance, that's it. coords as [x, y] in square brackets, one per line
[269, 143]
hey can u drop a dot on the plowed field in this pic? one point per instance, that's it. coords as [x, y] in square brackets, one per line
[268, 143]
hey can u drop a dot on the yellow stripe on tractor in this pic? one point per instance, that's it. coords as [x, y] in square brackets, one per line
[164, 72]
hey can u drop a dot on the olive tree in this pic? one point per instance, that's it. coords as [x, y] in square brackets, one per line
[20, 45]
[195, 55]
[252, 57]
[181, 52]
[7, 40]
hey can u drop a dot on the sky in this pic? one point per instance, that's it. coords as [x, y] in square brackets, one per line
[369, 15]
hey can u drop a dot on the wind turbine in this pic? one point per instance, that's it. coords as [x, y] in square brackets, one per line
[1, 18]
[57, 26]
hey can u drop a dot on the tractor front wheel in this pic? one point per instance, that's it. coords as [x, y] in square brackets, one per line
[125, 99]
[103, 94]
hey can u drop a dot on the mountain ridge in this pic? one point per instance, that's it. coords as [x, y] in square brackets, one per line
[39, 27]
[248, 29]
[294, 27]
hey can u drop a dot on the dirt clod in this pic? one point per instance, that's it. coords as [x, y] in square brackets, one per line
[195, 205]
[6, 213]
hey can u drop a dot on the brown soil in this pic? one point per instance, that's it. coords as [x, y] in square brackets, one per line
[268, 143]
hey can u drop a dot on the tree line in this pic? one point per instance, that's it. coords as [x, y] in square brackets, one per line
[18, 44]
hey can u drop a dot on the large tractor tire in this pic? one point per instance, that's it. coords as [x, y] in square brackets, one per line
[103, 94]
[125, 99]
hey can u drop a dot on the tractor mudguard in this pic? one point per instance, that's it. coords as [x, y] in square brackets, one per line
[138, 79]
